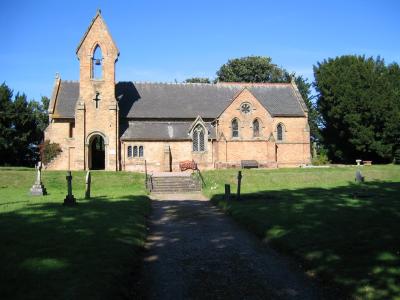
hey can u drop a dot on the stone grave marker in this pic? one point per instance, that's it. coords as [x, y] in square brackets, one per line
[359, 178]
[88, 185]
[69, 199]
[38, 188]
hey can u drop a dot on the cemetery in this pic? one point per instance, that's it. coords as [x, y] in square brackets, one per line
[311, 215]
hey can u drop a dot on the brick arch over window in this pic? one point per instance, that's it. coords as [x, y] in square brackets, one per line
[280, 132]
[235, 128]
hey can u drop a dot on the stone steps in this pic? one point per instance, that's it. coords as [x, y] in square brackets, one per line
[174, 184]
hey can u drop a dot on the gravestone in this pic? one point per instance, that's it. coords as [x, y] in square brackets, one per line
[69, 199]
[239, 178]
[227, 192]
[358, 161]
[88, 184]
[38, 188]
[359, 178]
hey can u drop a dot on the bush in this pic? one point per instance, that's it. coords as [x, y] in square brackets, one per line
[48, 151]
[397, 156]
[320, 159]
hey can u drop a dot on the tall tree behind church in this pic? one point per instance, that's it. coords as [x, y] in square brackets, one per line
[21, 127]
[359, 101]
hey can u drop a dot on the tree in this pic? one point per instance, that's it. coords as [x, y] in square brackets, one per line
[198, 80]
[252, 69]
[21, 127]
[313, 116]
[358, 99]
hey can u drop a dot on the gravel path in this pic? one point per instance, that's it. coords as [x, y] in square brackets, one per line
[196, 252]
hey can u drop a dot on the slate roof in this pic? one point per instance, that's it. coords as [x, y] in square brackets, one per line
[160, 130]
[184, 100]
[68, 94]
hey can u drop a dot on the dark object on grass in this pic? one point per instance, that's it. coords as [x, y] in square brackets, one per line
[69, 199]
[227, 192]
[88, 184]
[248, 164]
[38, 188]
[239, 177]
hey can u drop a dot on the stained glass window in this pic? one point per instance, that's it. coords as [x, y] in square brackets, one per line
[135, 151]
[235, 128]
[140, 151]
[256, 128]
[129, 151]
[279, 132]
[198, 139]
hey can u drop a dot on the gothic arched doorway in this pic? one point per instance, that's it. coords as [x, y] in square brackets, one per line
[97, 153]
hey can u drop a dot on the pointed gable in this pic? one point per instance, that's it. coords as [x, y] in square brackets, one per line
[98, 24]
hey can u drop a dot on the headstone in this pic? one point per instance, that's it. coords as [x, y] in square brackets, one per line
[38, 188]
[358, 161]
[69, 199]
[88, 184]
[239, 178]
[227, 192]
[359, 177]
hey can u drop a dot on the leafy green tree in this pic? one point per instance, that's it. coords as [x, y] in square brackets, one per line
[358, 99]
[198, 80]
[252, 69]
[21, 127]
[313, 116]
[6, 130]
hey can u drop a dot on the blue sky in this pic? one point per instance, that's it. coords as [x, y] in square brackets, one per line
[168, 40]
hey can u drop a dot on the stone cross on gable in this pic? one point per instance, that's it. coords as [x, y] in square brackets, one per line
[97, 99]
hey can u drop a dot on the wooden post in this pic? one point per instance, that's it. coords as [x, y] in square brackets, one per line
[227, 192]
[88, 184]
[239, 178]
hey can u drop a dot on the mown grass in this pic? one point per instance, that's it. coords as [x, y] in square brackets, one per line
[346, 235]
[90, 251]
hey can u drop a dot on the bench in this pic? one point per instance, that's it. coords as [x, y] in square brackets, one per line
[367, 162]
[248, 164]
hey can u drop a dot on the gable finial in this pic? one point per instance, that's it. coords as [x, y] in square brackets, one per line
[98, 11]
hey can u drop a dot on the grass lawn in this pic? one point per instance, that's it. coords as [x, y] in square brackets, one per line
[346, 235]
[49, 251]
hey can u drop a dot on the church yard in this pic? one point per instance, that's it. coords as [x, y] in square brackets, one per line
[342, 233]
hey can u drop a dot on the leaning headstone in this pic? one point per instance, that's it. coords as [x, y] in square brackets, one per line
[88, 184]
[69, 199]
[38, 188]
[359, 177]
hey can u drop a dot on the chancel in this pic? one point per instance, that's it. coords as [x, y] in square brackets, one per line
[103, 124]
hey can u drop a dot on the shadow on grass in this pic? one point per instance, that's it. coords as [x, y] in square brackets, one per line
[349, 236]
[49, 251]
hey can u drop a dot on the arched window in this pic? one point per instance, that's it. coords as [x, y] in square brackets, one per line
[129, 151]
[256, 128]
[140, 151]
[198, 139]
[279, 132]
[135, 151]
[235, 128]
[97, 63]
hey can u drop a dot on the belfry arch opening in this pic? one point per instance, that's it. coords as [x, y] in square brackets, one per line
[97, 63]
[97, 153]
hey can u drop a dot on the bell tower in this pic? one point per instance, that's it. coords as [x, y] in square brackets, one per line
[96, 112]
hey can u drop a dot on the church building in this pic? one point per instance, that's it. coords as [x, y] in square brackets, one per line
[103, 124]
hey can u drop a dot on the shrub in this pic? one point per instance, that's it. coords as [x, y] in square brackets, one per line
[321, 158]
[397, 156]
[48, 151]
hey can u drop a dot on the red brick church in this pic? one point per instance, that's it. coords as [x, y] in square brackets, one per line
[103, 124]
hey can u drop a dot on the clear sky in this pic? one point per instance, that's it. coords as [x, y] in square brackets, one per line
[168, 40]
